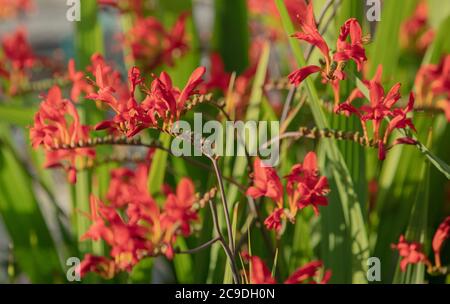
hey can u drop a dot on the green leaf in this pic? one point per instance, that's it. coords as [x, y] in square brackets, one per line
[158, 167]
[232, 34]
[416, 231]
[183, 264]
[33, 246]
[142, 271]
[88, 41]
[17, 115]
[347, 208]
[385, 48]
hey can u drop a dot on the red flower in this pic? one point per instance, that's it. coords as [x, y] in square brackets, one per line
[415, 31]
[441, 234]
[307, 273]
[131, 117]
[266, 183]
[273, 221]
[51, 128]
[411, 253]
[306, 187]
[433, 83]
[169, 101]
[380, 108]
[153, 45]
[126, 185]
[353, 50]
[18, 51]
[103, 266]
[333, 70]
[178, 207]
[218, 77]
[133, 225]
[128, 240]
[79, 83]
[260, 274]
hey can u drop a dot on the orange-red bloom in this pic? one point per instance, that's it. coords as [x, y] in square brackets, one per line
[79, 82]
[133, 225]
[332, 72]
[18, 58]
[380, 108]
[178, 207]
[266, 183]
[260, 274]
[305, 187]
[415, 32]
[57, 123]
[433, 85]
[168, 101]
[152, 45]
[410, 252]
[441, 234]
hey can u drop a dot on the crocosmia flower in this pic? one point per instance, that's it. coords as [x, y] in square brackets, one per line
[260, 273]
[332, 71]
[57, 123]
[305, 187]
[441, 234]
[410, 253]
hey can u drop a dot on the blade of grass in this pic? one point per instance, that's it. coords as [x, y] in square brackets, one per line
[353, 219]
[23, 219]
[232, 34]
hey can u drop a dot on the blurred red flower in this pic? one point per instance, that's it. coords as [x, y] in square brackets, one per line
[153, 45]
[333, 70]
[441, 234]
[266, 183]
[415, 32]
[433, 84]
[305, 187]
[260, 274]
[410, 252]
[57, 123]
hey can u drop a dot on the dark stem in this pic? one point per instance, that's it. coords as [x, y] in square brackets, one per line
[224, 205]
[199, 248]
[227, 250]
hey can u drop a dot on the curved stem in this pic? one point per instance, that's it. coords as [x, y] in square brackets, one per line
[224, 205]
[227, 250]
[199, 248]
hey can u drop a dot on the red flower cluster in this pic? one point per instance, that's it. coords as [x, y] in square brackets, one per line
[379, 109]
[305, 187]
[332, 72]
[260, 274]
[18, 57]
[57, 123]
[441, 234]
[152, 45]
[411, 253]
[133, 225]
[415, 32]
[433, 84]
[163, 100]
